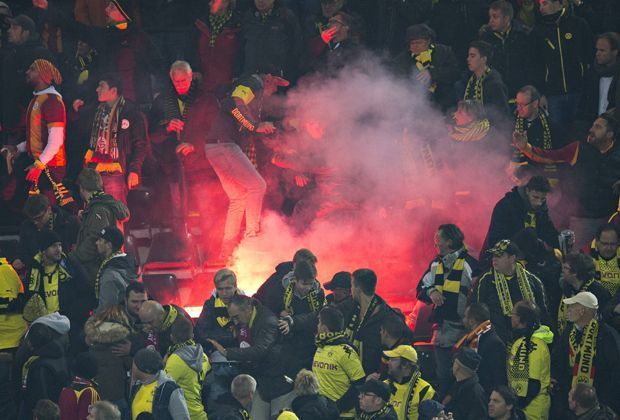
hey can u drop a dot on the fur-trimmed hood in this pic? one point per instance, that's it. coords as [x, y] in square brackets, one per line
[106, 332]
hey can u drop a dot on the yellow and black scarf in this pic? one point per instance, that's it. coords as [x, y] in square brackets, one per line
[100, 271]
[563, 306]
[171, 316]
[423, 61]
[522, 126]
[450, 286]
[474, 89]
[503, 291]
[331, 339]
[59, 275]
[581, 354]
[61, 193]
[221, 313]
[474, 131]
[519, 367]
[178, 346]
[413, 381]
[314, 300]
[177, 106]
[377, 414]
[358, 319]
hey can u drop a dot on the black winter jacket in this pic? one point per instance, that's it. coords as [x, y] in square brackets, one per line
[492, 370]
[468, 400]
[208, 327]
[310, 407]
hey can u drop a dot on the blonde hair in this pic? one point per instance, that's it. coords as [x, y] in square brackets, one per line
[306, 383]
[223, 275]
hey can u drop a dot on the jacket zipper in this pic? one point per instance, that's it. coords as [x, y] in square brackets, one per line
[561, 57]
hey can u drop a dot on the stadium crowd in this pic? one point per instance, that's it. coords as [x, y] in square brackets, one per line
[100, 97]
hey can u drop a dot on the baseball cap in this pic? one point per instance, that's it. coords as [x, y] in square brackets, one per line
[25, 22]
[404, 351]
[113, 235]
[505, 246]
[342, 279]
[586, 299]
[380, 389]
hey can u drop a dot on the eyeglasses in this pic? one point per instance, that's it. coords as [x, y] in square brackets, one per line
[527, 104]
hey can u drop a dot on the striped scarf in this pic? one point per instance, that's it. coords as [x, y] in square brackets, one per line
[331, 339]
[221, 313]
[450, 286]
[475, 89]
[217, 23]
[104, 132]
[61, 193]
[358, 319]
[377, 414]
[474, 131]
[472, 338]
[503, 291]
[314, 301]
[581, 354]
[177, 106]
[563, 306]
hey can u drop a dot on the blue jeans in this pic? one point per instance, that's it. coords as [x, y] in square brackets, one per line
[563, 108]
[244, 187]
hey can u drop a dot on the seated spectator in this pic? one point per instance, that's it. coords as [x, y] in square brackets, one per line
[158, 321]
[588, 352]
[374, 401]
[218, 45]
[149, 379]
[482, 338]
[46, 410]
[583, 402]
[529, 361]
[507, 283]
[503, 405]
[606, 255]
[237, 404]
[510, 50]
[578, 276]
[117, 269]
[257, 334]
[41, 215]
[470, 124]
[433, 65]
[104, 410]
[309, 404]
[405, 380]
[445, 285]
[521, 208]
[466, 398]
[485, 83]
[336, 363]
[102, 210]
[188, 365]
[340, 287]
[45, 372]
[595, 174]
[76, 399]
[103, 332]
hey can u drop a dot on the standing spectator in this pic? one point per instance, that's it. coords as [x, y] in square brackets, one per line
[101, 211]
[529, 361]
[24, 48]
[91, 12]
[485, 83]
[466, 399]
[507, 283]
[188, 365]
[600, 79]
[336, 364]
[285, 268]
[238, 404]
[561, 47]
[309, 404]
[606, 255]
[374, 401]
[503, 405]
[46, 410]
[483, 339]
[434, 65]
[445, 285]
[118, 140]
[271, 39]
[578, 275]
[219, 45]
[409, 389]
[313, 27]
[117, 269]
[508, 39]
[521, 208]
[340, 286]
[158, 320]
[153, 391]
[595, 175]
[75, 400]
[583, 402]
[588, 352]
[41, 215]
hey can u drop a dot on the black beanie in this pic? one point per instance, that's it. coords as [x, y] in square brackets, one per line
[85, 365]
[47, 238]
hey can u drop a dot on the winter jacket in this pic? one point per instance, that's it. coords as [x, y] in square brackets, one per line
[508, 219]
[163, 340]
[597, 413]
[492, 370]
[188, 367]
[115, 276]
[468, 400]
[270, 286]
[226, 407]
[63, 223]
[112, 373]
[511, 55]
[271, 42]
[589, 103]
[12, 324]
[168, 400]
[494, 96]
[101, 211]
[444, 70]
[208, 325]
[561, 50]
[310, 407]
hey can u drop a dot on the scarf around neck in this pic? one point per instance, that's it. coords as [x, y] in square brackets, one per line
[503, 291]
[582, 353]
[104, 132]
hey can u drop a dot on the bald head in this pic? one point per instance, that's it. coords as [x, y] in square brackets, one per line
[152, 315]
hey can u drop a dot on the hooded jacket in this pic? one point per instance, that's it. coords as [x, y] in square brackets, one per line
[101, 211]
[188, 367]
[168, 400]
[118, 272]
